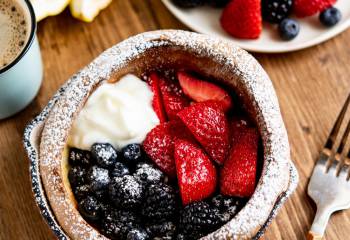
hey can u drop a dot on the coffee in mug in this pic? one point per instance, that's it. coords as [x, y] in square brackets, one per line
[20, 60]
[14, 28]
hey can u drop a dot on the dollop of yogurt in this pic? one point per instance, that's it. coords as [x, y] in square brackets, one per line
[117, 113]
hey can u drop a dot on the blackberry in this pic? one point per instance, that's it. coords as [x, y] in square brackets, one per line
[288, 29]
[119, 170]
[126, 192]
[116, 224]
[274, 11]
[127, 221]
[330, 17]
[90, 208]
[164, 230]
[137, 234]
[79, 157]
[227, 206]
[98, 179]
[189, 3]
[160, 202]
[77, 176]
[198, 219]
[132, 154]
[81, 192]
[147, 174]
[105, 154]
[180, 236]
[111, 229]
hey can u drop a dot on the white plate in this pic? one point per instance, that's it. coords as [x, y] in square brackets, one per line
[206, 20]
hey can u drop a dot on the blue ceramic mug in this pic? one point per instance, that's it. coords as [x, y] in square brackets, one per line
[20, 80]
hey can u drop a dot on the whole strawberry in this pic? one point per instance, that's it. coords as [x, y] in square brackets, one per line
[238, 175]
[195, 172]
[305, 8]
[242, 19]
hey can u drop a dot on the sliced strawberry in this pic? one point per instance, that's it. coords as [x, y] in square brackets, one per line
[238, 175]
[242, 19]
[208, 124]
[157, 102]
[159, 144]
[201, 91]
[174, 99]
[195, 172]
[305, 8]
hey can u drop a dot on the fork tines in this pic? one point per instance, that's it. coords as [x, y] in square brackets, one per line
[335, 149]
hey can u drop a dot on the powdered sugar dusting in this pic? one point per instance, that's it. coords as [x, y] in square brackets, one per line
[249, 78]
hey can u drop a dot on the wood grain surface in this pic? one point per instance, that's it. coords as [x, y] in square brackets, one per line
[311, 85]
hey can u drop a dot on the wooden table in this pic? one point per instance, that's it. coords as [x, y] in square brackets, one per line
[311, 86]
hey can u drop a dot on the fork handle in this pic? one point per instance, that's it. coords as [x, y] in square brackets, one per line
[319, 225]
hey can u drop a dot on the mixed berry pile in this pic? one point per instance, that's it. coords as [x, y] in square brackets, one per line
[243, 18]
[191, 175]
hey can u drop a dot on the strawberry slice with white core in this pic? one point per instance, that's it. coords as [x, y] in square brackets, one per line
[200, 90]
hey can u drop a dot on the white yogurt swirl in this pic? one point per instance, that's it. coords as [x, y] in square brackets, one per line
[120, 113]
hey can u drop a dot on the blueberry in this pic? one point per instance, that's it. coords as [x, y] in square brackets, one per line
[90, 208]
[147, 173]
[98, 179]
[288, 29]
[330, 17]
[81, 192]
[105, 154]
[132, 153]
[79, 157]
[137, 234]
[77, 176]
[119, 170]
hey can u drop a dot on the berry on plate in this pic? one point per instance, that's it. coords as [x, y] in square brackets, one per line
[200, 90]
[330, 17]
[159, 145]
[208, 124]
[242, 19]
[157, 101]
[274, 11]
[305, 8]
[174, 99]
[238, 175]
[288, 29]
[189, 3]
[195, 172]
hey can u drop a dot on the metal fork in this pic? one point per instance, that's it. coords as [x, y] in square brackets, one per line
[329, 186]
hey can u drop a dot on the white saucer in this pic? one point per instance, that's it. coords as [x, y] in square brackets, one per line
[206, 20]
